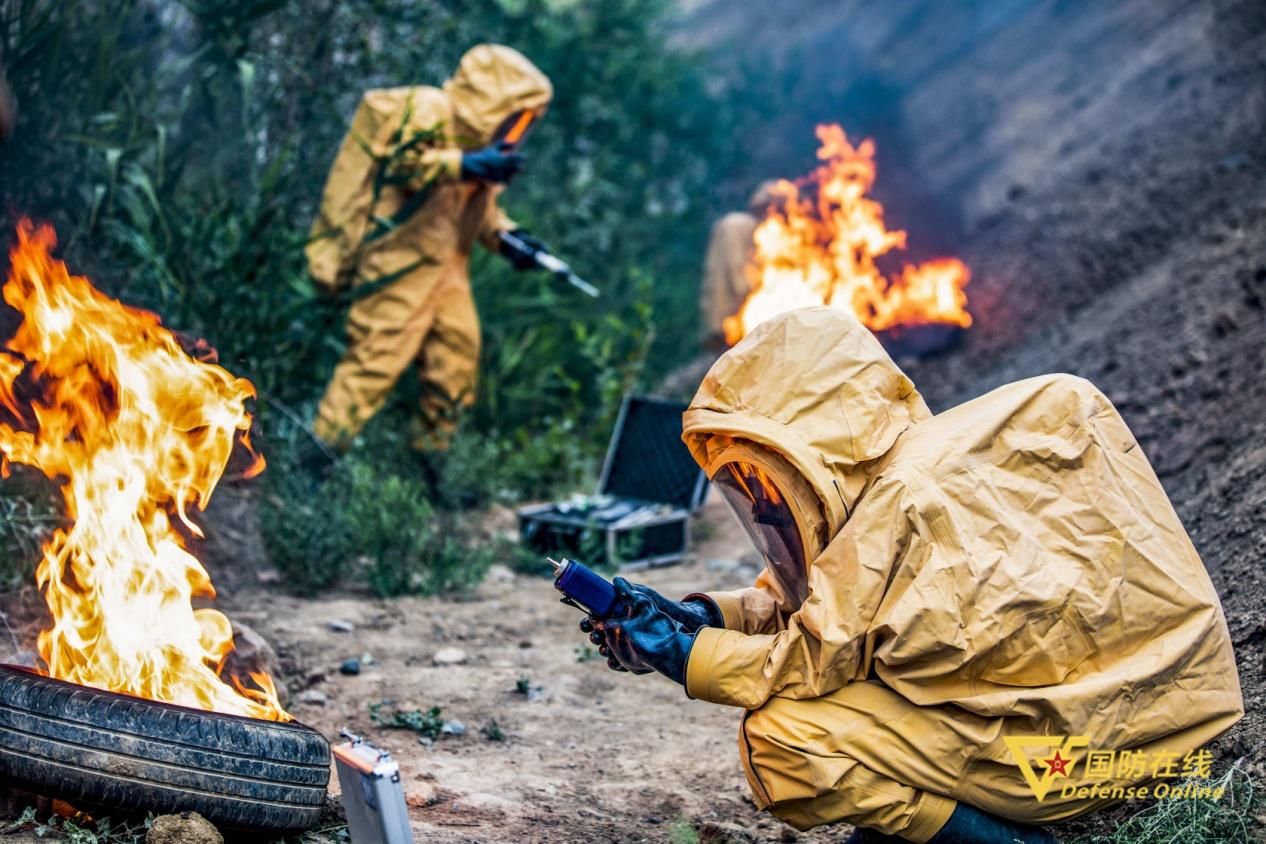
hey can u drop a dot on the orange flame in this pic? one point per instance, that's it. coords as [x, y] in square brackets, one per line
[102, 398]
[821, 250]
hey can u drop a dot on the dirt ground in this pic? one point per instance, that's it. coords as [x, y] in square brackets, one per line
[588, 755]
[1134, 255]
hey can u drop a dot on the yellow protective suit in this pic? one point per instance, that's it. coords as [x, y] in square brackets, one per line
[395, 214]
[725, 281]
[1008, 567]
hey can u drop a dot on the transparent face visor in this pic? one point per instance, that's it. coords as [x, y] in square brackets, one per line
[515, 128]
[763, 510]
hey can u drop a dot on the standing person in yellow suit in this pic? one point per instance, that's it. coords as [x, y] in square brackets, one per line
[413, 187]
[725, 282]
[934, 586]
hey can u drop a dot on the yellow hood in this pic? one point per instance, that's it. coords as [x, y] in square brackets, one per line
[841, 406]
[491, 83]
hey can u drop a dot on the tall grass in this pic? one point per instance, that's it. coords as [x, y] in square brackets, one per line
[1227, 820]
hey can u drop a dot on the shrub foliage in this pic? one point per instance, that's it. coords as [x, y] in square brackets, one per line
[180, 149]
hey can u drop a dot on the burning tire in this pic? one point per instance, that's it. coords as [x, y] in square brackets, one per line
[122, 753]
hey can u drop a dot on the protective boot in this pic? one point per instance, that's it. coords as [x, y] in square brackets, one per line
[967, 825]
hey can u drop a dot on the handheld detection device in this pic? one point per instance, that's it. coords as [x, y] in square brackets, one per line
[583, 588]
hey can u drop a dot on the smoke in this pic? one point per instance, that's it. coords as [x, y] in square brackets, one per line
[971, 104]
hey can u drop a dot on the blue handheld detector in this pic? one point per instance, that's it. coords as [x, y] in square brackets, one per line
[584, 589]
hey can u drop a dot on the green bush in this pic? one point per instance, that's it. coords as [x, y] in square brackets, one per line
[184, 175]
[365, 525]
[411, 548]
[180, 150]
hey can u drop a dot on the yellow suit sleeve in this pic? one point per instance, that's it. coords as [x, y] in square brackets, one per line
[421, 160]
[759, 608]
[823, 646]
[437, 164]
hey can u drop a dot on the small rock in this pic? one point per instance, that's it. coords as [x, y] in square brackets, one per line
[339, 625]
[350, 667]
[1224, 323]
[788, 835]
[366, 659]
[423, 795]
[499, 573]
[252, 654]
[453, 728]
[525, 644]
[715, 832]
[267, 576]
[185, 828]
[313, 697]
[449, 656]
[425, 741]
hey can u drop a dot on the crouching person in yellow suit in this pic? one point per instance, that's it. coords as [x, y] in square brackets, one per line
[412, 189]
[955, 610]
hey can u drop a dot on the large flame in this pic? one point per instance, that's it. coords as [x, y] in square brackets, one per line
[818, 247]
[103, 399]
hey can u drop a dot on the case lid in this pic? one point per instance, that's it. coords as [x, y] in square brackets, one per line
[647, 459]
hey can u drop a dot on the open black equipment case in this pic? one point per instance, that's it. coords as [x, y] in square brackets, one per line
[649, 488]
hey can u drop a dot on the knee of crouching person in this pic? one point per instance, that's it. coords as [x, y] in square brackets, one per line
[779, 772]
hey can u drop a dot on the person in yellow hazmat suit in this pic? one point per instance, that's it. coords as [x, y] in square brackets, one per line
[943, 596]
[725, 282]
[413, 187]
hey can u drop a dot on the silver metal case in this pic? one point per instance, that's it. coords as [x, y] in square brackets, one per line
[650, 486]
[372, 794]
